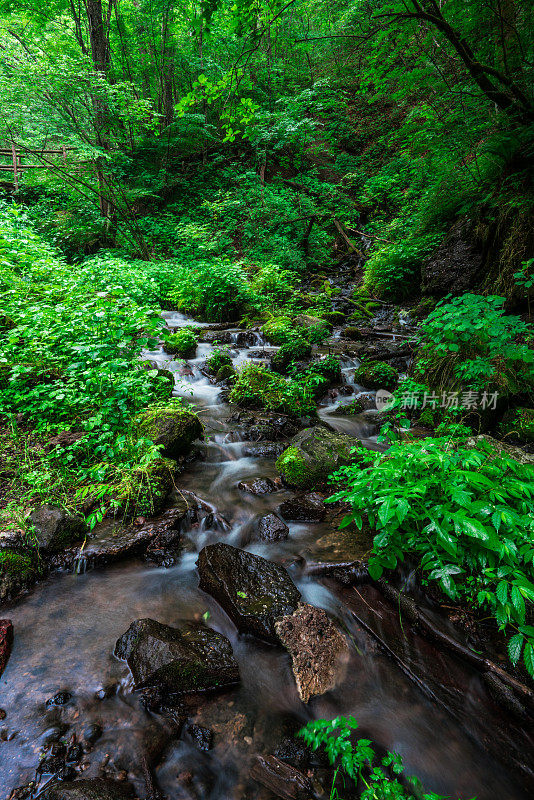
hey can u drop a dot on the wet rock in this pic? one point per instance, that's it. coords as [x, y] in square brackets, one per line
[272, 529]
[262, 426]
[456, 264]
[59, 699]
[319, 652]
[115, 542]
[281, 779]
[174, 427]
[304, 508]
[92, 733]
[377, 375]
[202, 737]
[92, 789]
[53, 734]
[215, 337]
[293, 751]
[313, 455]
[254, 592]
[6, 642]
[257, 486]
[179, 660]
[248, 338]
[55, 529]
[264, 449]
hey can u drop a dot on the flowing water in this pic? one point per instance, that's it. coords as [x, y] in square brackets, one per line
[66, 629]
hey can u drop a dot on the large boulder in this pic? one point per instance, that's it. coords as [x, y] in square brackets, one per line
[54, 529]
[91, 789]
[313, 455]
[254, 592]
[457, 263]
[177, 660]
[319, 652]
[174, 426]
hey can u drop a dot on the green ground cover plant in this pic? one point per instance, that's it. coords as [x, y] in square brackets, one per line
[462, 516]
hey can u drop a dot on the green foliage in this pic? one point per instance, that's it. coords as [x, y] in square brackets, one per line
[217, 291]
[182, 343]
[377, 777]
[279, 331]
[469, 341]
[463, 515]
[257, 387]
[14, 564]
[220, 357]
[376, 375]
[295, 350]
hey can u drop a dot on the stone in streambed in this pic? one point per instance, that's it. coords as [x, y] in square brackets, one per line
[174, 426]
[257, 486]
[319, 652]
[6, 642]
[304, 508]
[54, 529]
[272, 529]
[313, 455]
[92, 789]
[177, 660]
[254, 592]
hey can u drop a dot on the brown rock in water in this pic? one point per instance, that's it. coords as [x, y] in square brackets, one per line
[272, 529]
[304, 508]
[6, 642]
[92, 789]
[257, 486]
[318, 650]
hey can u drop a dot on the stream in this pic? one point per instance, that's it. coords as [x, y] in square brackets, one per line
[66, 629]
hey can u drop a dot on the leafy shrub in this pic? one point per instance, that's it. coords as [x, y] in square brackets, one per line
[279, 330]
[376, 375]
[272, 282]
[463, 515]
[217, 291]
[220, 357]
[257, 387]
[359, 762]
[182, 343]
[470, 342]
[294, 350]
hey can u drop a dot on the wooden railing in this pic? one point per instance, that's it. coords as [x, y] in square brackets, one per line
[17, 153]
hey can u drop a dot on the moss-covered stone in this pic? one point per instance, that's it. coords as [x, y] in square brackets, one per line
[54, 529]
[292, 351]
[218, 359]
[225, 373]
[377, 375]
[15, 565]
[279, 330]
[143, 491]
[183, 343]
[313, 328]
[173, 425]
[334, 317]
[518, 425]
[313, 455]
[354, 407]
[353, 333]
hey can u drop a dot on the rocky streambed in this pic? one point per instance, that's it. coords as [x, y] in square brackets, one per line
[177, 657]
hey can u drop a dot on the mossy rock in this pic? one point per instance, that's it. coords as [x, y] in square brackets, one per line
[183, 343]
[423, 308]
[354, 407]
[144, 491]
[312, 328]
[313, 455]
[219, 358]
[172, 425]
[377, 375]
[54, 529]
[334, 317]
[17, 571]
[225, 373]
[353, 333]
[518, 425]
[292, 351]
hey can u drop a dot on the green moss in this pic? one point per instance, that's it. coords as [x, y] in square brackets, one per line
[377, 375]
[172, 425]
[257, 387]
[354, 407]
[518, 425]
[183, 343]
[334, 317]
[353, 333]
[292, 466]
[15, 565]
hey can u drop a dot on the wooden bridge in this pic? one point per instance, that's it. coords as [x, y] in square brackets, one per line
[16, 153]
